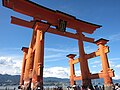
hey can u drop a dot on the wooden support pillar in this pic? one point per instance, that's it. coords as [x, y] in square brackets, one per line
[29, 67]
[29, 63]
[37, 78]
[85, 73]
[25, 51]
[72, 70]
[105, 64]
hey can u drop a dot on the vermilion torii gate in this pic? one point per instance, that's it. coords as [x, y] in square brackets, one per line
[47, 20]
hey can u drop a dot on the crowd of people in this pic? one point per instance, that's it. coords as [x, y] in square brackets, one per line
[96, 87]
[116, 86]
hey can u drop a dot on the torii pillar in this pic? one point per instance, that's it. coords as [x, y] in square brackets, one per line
[37, 76]
[28, 67]
[105, 64]
[85, 73]
[25, 51]
[72, 69]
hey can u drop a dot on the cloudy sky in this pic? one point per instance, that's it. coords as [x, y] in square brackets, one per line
[102, 12]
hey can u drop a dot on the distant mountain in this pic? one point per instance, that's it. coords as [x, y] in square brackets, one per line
[116, 80]
[14, 80]
[54, 79]
[6, 79]
[9, 79]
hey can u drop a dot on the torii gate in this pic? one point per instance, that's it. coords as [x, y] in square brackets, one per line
[47, 20]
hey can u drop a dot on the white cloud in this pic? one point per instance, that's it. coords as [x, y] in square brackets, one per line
[116, 77]
[60, 72]
[10, 65]
[6, 61]
[117, 66]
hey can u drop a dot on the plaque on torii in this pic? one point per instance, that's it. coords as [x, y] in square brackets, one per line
[56, 22]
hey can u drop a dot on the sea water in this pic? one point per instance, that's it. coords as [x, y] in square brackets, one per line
[16, 87]
[9, 87]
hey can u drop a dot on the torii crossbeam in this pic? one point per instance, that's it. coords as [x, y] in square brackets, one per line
[55, 22]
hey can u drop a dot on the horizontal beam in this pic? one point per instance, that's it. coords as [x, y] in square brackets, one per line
[21, 22]
[101, 75]
[69, 35]
[76, 78]
[87, 39]
[34, 10]
[91, 55]
[97, 53]
[96, 76]
[76, 61]
[25, 23]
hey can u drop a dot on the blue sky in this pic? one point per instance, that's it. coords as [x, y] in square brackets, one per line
[102, 12]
